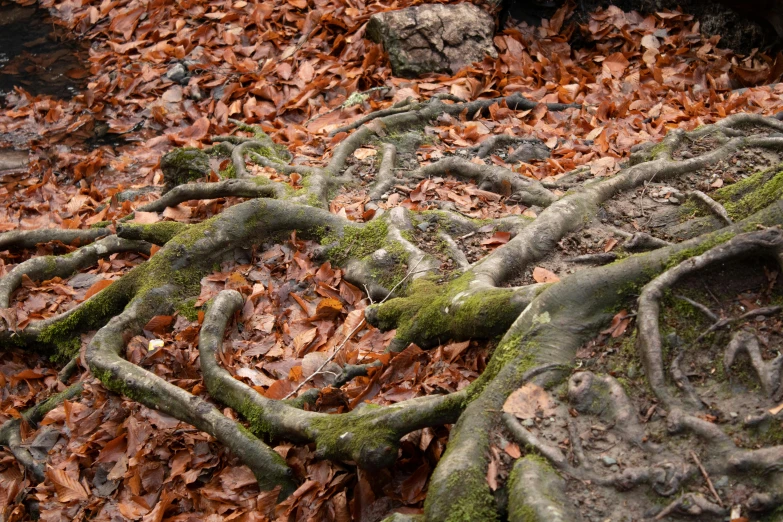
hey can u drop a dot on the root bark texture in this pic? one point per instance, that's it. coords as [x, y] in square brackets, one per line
[539, 328]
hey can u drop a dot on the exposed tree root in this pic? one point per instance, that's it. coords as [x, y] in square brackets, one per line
[30, 238]
[540, 326]
[10, 430]
[650, 346]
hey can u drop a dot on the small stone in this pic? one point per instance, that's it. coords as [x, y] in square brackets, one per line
[177, 73]
[722, 482]
[686, 154]
[528, 423]
[424, 226]
[614, 468]
[734, 414]
[608, 461]
[674, 200]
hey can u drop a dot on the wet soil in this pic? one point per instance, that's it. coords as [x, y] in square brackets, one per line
[36, 56]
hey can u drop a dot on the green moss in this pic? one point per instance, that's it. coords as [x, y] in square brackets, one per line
[357, 241]
[157, 233]
[101, 224]
[90, 315]
[477, 502]
[230, 172]
[354, 436]
[187, 309]
[656, 150]
[752, 194]
[183, 165]
[121, 387]
[699, 249]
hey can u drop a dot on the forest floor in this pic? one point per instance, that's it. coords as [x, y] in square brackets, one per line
[288, 66]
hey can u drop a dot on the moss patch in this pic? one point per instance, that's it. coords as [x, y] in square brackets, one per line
[752, 194]
[357, 241]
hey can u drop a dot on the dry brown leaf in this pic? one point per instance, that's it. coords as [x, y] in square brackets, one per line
[66, 486]
[542, 275]
[303, 340]
[527, 400]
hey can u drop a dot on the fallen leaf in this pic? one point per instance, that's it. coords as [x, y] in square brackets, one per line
[527, 400]
[542, 275]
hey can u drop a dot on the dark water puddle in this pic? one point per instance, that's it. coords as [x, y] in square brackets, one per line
[36, 56]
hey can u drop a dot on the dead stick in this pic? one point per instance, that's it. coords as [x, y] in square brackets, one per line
[707, 478]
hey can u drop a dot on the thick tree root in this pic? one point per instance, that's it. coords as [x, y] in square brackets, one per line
[649, 341]
[492, 178]
[537, 494]
[368, 437]
[767, 371]
[47, 267]
[542, 325]
[10, 436]
[30, 238]
[240, 188]
[121, 376]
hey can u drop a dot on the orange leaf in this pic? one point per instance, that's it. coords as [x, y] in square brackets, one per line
[542, 275]
[67, 487]
[97, 287]
[498, 238]
[327, 309]
[610, 244]
[159, 323]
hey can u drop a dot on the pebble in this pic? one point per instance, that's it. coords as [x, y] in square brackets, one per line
[674, 200]
[733, 414]
[423, 226]
[722, 482]
[686, 154]
[614, 468]
[608, 461]
[528, 423]
[176, 72]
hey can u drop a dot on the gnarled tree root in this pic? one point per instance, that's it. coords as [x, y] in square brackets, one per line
[10, 435]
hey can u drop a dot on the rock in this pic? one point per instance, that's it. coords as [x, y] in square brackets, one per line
[722, 482]
[674, 200]
[177, 73]
[434, 37]
[608, 461]
[529, 151]
[424, 226]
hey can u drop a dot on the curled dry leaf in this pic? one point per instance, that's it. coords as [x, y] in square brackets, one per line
[542, 275]
[527, 400]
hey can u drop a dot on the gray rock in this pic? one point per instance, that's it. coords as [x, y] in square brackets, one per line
[177, 73]
[608, 461]
[433, 37]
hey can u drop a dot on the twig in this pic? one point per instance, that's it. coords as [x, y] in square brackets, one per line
[641, 196]
[702, 308]
[349, 336]
[707, 478]
[716, 208]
